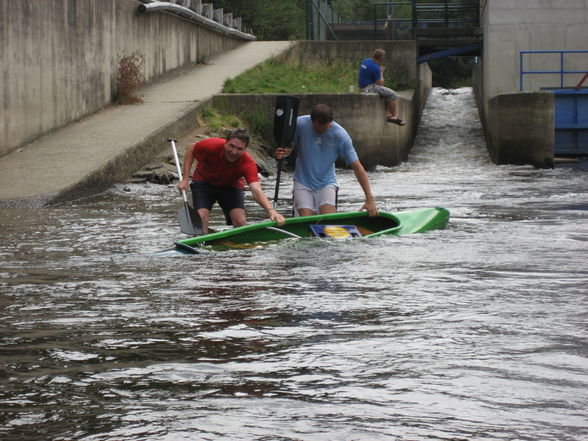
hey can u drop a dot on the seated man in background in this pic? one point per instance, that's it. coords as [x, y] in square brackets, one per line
[371, 79]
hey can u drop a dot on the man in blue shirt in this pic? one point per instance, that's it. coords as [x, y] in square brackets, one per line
[320, 141]
[371, 79]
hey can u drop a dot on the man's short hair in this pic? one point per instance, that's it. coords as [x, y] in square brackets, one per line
[322, 114]
[379, 54]
[240, 134]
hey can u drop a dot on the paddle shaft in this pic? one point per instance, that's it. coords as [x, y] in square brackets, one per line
[284, 130]
[278, 175]
[177, 159]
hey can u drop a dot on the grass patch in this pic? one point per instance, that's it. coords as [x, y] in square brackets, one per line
[273, 76]
[257, 123]
[215, 120]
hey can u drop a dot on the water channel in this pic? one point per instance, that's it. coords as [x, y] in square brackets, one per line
[476, 332]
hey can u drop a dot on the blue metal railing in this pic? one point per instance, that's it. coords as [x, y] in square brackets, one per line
[561, 72]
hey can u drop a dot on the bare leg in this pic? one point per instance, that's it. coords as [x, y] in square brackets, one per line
[204, 216]
[326, 209]
[391, 107]
[305, 212]
[238, 217]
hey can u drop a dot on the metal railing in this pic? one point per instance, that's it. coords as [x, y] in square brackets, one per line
[446, 14]
[405, 16]
[319, 17]
[561, 72]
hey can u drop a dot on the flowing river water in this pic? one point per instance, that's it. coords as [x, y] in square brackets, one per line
[476, 332]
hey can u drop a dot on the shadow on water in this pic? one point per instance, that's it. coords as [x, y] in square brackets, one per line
[474, 332]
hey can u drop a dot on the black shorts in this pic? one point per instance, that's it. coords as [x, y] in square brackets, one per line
[205, 195]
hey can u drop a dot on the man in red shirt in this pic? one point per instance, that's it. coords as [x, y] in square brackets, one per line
[222, 168]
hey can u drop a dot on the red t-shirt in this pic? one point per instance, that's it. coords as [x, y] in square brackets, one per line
[212, 167]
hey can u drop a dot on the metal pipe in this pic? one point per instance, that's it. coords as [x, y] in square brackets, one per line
[153, 6]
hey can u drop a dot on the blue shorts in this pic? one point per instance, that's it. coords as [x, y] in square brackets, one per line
[205, 195]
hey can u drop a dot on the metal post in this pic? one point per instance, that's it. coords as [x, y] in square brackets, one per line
[521, 70]
[309, 25]
[561, 70]
[414, 20]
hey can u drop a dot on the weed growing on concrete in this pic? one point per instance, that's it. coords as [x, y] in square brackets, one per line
[259, 123]
[215, 120]
[130, 76]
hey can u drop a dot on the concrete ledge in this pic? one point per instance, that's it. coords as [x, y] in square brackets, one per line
[119, 168]
[520, 129]
[363, 116]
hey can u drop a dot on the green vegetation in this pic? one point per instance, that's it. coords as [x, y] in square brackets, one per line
[273, 76]
[257, 123]
[270, 19]
[355, 9]
[215, 120]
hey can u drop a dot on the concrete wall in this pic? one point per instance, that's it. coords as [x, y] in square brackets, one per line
[520, 129]
[58, 58]
[512, 26]
[363, 116]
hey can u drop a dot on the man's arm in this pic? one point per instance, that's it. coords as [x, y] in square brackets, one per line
[362, 178]
[188, 160]
[380, 82]
[260, 197]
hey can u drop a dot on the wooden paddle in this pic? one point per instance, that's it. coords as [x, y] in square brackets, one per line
[284, 129]
[190, 222]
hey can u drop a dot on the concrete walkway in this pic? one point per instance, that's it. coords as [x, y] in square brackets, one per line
[88, 156]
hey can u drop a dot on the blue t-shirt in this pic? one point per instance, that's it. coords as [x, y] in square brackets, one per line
[369, 72]
[315, 163]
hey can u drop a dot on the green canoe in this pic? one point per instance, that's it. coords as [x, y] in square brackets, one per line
[342, 225]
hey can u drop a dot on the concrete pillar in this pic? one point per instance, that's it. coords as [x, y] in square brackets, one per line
[228, 19]
[196, 6]
[218, 15]
[521, 129]
[207, 9]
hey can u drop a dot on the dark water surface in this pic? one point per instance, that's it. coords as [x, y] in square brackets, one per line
[477, 332]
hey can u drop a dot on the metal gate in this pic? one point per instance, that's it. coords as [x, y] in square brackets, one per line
[571, 121]
[571, 103]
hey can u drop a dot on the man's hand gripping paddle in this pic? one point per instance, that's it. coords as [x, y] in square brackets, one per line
[190, 222]
[284, 129]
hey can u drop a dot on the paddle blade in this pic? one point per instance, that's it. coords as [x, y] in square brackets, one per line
[285, 119]
[190, 222]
